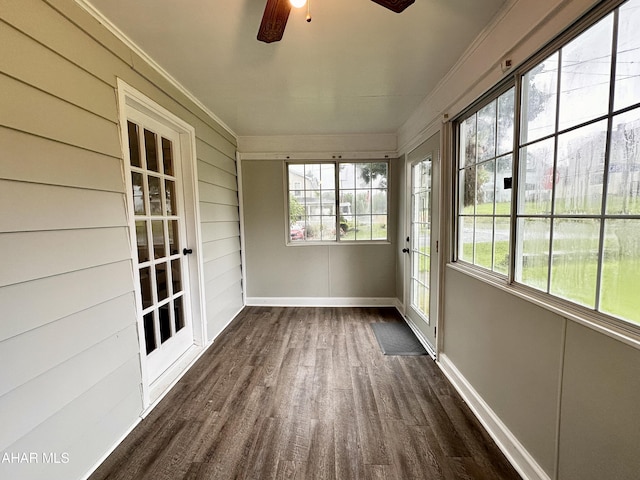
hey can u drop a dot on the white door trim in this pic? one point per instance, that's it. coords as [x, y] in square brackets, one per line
[131, 100]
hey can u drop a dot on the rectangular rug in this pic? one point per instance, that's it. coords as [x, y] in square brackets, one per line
[397, 338]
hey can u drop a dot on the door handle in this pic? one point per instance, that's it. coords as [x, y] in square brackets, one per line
[187, 251]
[405, 250]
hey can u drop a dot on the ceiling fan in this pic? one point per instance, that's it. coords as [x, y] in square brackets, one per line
[276, 13]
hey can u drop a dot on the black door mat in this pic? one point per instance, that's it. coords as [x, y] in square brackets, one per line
[397, 338]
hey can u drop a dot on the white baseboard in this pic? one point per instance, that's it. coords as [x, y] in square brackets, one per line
[515, 452]
[322, 301]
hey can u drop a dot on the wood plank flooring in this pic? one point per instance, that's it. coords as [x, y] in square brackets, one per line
[305, 393]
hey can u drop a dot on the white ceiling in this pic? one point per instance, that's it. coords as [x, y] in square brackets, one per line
[356, 68]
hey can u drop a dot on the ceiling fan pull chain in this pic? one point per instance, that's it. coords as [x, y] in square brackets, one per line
[309, 11]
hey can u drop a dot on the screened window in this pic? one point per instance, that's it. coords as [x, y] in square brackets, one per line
[577, 215]
[337, 201]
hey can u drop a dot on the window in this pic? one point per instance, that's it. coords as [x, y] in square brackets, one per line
[577, 172]
[337, 201]
[484, 176]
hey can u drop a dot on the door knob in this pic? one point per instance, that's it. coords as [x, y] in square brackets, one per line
[187, 251]
[405, 250]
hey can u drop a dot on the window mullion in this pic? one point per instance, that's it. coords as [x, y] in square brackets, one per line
[515, 175]
[336, 189]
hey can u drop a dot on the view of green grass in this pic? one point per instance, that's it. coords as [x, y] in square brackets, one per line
[575, 279]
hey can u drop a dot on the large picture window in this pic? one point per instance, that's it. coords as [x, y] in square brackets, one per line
[577, 172]
[337, 201]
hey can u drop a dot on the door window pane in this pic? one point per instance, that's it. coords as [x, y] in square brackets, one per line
[139, 206]
[145, 287]
[149, 333]
[151, 150]
[176, 275]
[167, 156]
[157, 230]
[142, 241]
[170, 197]
[174, 244]
[165, 323]
[134, 144]
[161, 281]
[155, 195]
[178, 314]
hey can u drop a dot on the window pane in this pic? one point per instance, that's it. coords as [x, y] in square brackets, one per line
[139, 207]
[505, 122]
[586, 68]
[468, 141]
[296, 177]
[312, 176]
[501, 243]
[484, 242]
[167, 156]
[149, 333]
[170, 197]
[379, 227]
[485, 182]
[580, 170]
[157, 230]
[151, 150]
[465, 239]
[178, 314]
[328, 176]
[486, 137]
[379, 201]
[363, 202]
[176, 275]
[363, 227]
[621, 270]
[145, 287]
[142, 241]
[328, 227]
[623, 194]
[536, 177]
[161, 281]
[467, 193]
[627, 91]
[504, 173]
[165, 323]
[539, 93]
[533, 245]
[347, 175]
[134, 144]
[155, 195]
[313, 228]
[574, 261]
[174, 241]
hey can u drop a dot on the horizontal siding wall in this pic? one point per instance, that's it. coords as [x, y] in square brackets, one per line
[70, 379]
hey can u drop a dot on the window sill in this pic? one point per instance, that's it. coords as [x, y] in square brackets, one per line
[617, 329]
[325, 244]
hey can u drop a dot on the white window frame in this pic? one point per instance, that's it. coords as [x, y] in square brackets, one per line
[337, 190]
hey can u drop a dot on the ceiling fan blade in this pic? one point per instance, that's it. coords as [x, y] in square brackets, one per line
[274, 19]
[394, 5]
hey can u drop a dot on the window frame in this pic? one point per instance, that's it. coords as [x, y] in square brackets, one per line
[337, 191]
[626, 330]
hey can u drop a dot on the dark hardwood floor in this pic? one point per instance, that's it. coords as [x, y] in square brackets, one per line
[293, 393]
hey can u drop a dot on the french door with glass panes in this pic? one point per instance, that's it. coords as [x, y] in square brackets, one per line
[160, 235]
[422, 245]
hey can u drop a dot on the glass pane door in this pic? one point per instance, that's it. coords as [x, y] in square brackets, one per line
[421, 237]
[159, 237]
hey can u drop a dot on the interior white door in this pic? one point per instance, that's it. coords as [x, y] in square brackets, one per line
[422, 244]
[159, 222]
